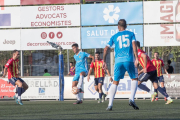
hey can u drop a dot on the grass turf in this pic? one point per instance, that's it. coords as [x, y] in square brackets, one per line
[90, 110]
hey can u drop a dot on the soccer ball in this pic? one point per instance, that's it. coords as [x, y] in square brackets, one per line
[75, 90]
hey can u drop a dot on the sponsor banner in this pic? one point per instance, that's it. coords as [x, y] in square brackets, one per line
[172, 85]
[50, 16]
[97, 37]
[36, 39]
[10, 39]
[47, 88]
[8, 2]
[6, 89]
[123, 90]
[162, 12]
[35, 2]
[110, 13]
[9, 17]
[163, 35]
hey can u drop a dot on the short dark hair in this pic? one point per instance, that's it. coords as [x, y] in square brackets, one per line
[97, 52]
[3, 67]
[169, 62]
[71, 62]
[122, 23]
[14, 51]
[138, 44]
[75, 44]
[157, 52]
[45, 70]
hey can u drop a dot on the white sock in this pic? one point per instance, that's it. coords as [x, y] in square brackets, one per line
[134, 84]
[78, 96]
[151, 92]
[16, 94]
[81, 78]
[19, 97]
[112, 93]
[169, 98]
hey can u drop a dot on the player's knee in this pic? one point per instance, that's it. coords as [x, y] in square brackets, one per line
[19, 84]
[116, 82]
[162, 84]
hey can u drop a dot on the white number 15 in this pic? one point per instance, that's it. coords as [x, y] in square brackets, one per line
[122, 39]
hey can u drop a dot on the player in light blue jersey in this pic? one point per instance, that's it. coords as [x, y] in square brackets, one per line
[81, 69]
[126, 59]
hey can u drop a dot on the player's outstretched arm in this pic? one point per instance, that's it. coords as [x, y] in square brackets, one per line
[165, 70]
[104, 57]
[144, 56]
[92, 57]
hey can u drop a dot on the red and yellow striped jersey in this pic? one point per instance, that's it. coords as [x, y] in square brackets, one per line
[158, 64]
[98, 70]
[12, 66]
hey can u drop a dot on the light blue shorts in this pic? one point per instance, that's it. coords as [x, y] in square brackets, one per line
[120, 69]
[77, 75]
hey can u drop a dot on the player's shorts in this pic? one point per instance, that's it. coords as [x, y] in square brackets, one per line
[13, 80]
[143, 77]
[120, 69]
[161, 78]
[77, 75]
[98, 80]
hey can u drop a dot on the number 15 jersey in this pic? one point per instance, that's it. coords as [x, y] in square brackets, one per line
[123, 46]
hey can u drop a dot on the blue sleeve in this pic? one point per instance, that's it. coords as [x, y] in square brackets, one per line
[111, 42]
[133, 37]
[74, 58]
[86, 54]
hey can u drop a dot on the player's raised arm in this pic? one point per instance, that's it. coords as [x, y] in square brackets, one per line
[92, 57]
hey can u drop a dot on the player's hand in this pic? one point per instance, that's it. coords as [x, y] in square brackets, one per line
[104, 66]
[169, 76]
[111, 79]
[3, 76]
[145, 70]
[88, 78]
[136, 62]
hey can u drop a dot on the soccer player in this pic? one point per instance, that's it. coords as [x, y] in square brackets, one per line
[125, 50]
[149, 72]
[13, 77]
[159, 64]
[72, 69]
[81, 70]
[99, 74]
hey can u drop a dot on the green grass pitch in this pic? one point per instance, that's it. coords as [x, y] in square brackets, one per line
[90, 110]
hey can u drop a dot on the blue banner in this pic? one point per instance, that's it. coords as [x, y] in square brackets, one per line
[97, 37]
[111, 13]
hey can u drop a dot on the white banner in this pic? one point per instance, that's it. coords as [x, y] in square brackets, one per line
[50, 16]
[161, 11]
[47, 88]
[36, 39]
[10, 39]
[9, 17]
[123, 90]
[162, 35]
[9, 2]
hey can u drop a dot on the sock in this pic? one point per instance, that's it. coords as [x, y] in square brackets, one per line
[169, 98]
[78, 96]
[143, 87]
[162, 91]
[134, 84]
[19, 93]
[151, 92]
[81, 78]
[16, 94]
[155, 90]
[100, 95]
[23, 90]
[112, 93]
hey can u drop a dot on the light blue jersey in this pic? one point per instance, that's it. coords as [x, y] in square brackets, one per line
[124, 55]
[123, 46]
[81, 64]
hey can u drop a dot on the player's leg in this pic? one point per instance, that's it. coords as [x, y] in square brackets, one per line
[19, 84]
[24, 85]
[161, 80]
[74, 84]
[80, 82]
[155, 90]
[100, 83]
[133, 73]
[13, 82]
[119, 72]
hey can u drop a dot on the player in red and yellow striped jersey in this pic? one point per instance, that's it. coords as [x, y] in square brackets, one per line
[12, 66]
[99, 74]
[159, 64]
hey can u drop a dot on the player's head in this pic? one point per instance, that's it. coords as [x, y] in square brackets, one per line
[71, 64]
[75, 48]
[169, 62]
[122, 24]
[16, 54]
[45, 70]
[97, 55]
[156, 55]
[138, 44]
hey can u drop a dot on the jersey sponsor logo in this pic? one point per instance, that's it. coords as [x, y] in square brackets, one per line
[79, 56]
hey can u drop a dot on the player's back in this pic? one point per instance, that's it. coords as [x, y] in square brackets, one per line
[123, 46]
